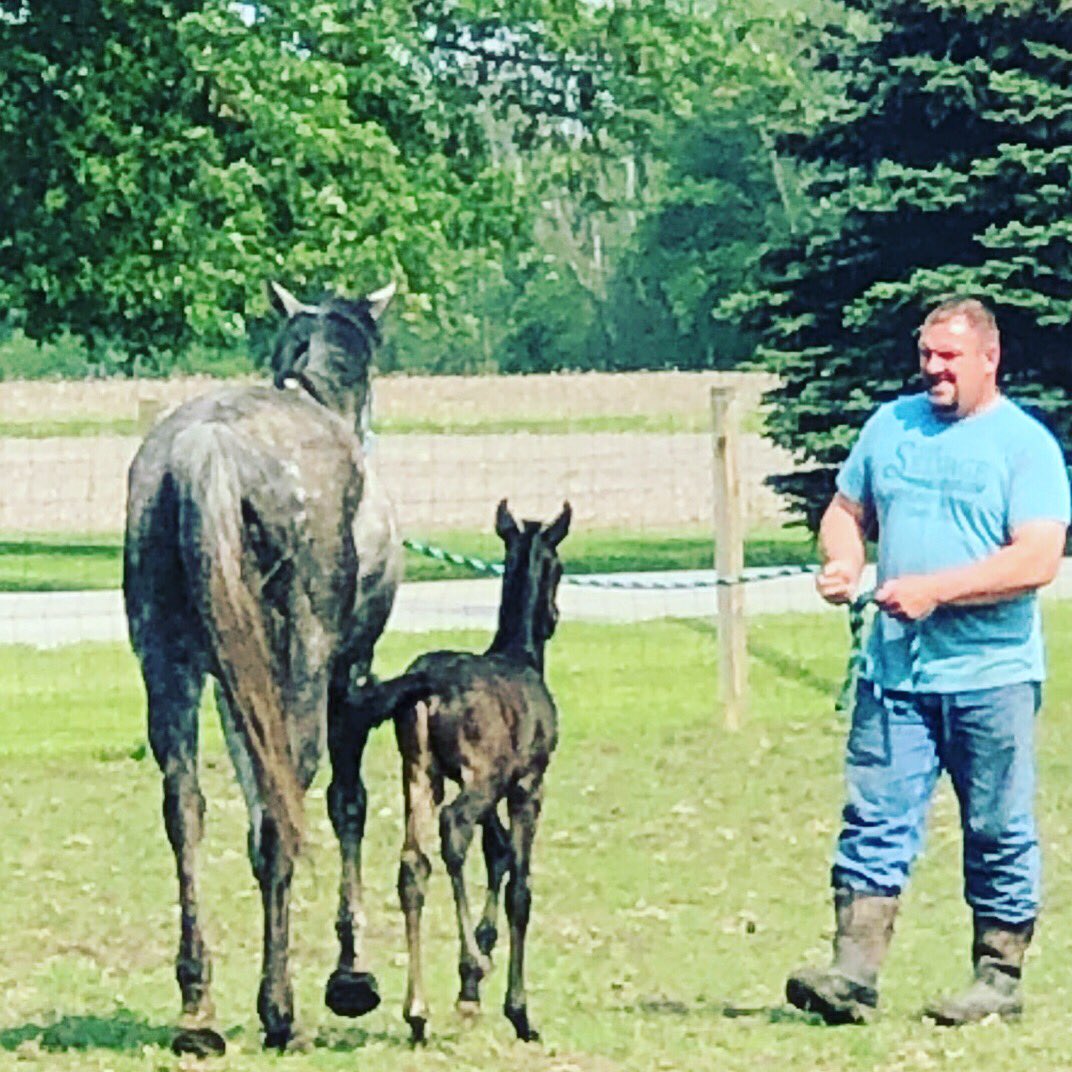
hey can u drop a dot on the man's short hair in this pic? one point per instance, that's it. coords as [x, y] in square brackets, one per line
[977, 313]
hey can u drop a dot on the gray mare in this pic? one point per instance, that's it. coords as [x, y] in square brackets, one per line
[261, 551]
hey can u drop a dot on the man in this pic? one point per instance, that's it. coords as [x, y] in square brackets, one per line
[971, 499]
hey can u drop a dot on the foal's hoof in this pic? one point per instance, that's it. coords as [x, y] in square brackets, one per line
[418, 1026]
[350, 993]
[198, 1042]
[519, 1017]
[468, 1009]
[486, 937]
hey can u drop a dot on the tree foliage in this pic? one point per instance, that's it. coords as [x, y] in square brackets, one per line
[163, 157]
[655, 180]
[508, 165]
[944, 171]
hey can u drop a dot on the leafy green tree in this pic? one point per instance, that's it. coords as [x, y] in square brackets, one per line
[674, 186]
[721, 207]
[944, 172]
[161, 158]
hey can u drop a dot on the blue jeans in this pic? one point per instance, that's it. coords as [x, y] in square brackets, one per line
[898, 746]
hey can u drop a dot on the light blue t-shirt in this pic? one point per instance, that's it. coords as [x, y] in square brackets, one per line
[947, 492]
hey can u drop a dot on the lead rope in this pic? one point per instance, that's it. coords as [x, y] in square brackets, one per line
[857, 624]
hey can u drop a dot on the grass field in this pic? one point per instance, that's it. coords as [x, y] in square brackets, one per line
[680, 872]
[461, 424]
[89, 562]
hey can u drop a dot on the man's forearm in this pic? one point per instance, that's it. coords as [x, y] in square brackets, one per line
[841, 537]
[1005, 574]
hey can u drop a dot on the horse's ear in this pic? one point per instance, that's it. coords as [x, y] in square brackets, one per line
[379, 300]
[505, 525]
[556, 532]
[282, 301]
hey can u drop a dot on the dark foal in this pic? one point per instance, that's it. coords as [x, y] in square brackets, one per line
[488, 723]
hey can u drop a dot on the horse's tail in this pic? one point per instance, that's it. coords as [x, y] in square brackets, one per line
[210, 464]
[375, 702]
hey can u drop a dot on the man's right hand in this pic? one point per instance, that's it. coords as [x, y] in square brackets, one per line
[836, 582]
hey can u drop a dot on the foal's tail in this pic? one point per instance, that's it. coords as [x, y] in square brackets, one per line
[212, 467]
[376, 702]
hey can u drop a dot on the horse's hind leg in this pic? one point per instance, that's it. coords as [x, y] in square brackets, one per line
[351, 988]
[174, 695]
[275, 998]
[273, 869]
[524, 808]
[457, 823]
[496, 845]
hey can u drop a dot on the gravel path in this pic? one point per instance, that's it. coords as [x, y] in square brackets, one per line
[52, 619]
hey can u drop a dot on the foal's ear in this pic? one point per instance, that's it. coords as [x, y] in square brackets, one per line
[505, 525]
[379, 300]
[282, 301]
[556, 532]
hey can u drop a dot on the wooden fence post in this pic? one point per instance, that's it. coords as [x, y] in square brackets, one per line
[729, 553]
[149, 410]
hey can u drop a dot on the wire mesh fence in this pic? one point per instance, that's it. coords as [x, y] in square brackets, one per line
[633, 453]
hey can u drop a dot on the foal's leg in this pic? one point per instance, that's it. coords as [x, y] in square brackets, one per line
[524, 808]
[422, 792]
[496, 845]
[456, 825]
[351, 989]
[174, 694]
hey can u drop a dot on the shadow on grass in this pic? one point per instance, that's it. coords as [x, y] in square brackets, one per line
[126, 1032]
[105, 548]
[784, 665]
[705, 1007]
[123, 1031]
[343, 1040]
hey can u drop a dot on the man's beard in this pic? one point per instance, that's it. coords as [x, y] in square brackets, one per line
[941, 406]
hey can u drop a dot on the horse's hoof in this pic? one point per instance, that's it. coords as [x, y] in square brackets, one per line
[198, 1042]
[519, 1017]
[350, 993]
[287, 1040]
[278, 1038]
[486, 937]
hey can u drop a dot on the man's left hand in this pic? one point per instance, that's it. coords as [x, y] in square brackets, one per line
[909, 599]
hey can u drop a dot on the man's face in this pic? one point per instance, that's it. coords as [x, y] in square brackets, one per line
[959, 365]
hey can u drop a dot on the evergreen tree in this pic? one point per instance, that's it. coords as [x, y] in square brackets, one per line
[947, 170]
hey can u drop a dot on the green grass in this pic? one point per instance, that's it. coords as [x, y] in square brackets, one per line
[60, 563]
[645, 423]
[680, 872]
[88, 562]
[70, 428]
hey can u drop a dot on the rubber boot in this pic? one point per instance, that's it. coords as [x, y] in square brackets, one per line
[998, 957]
[846, 992]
